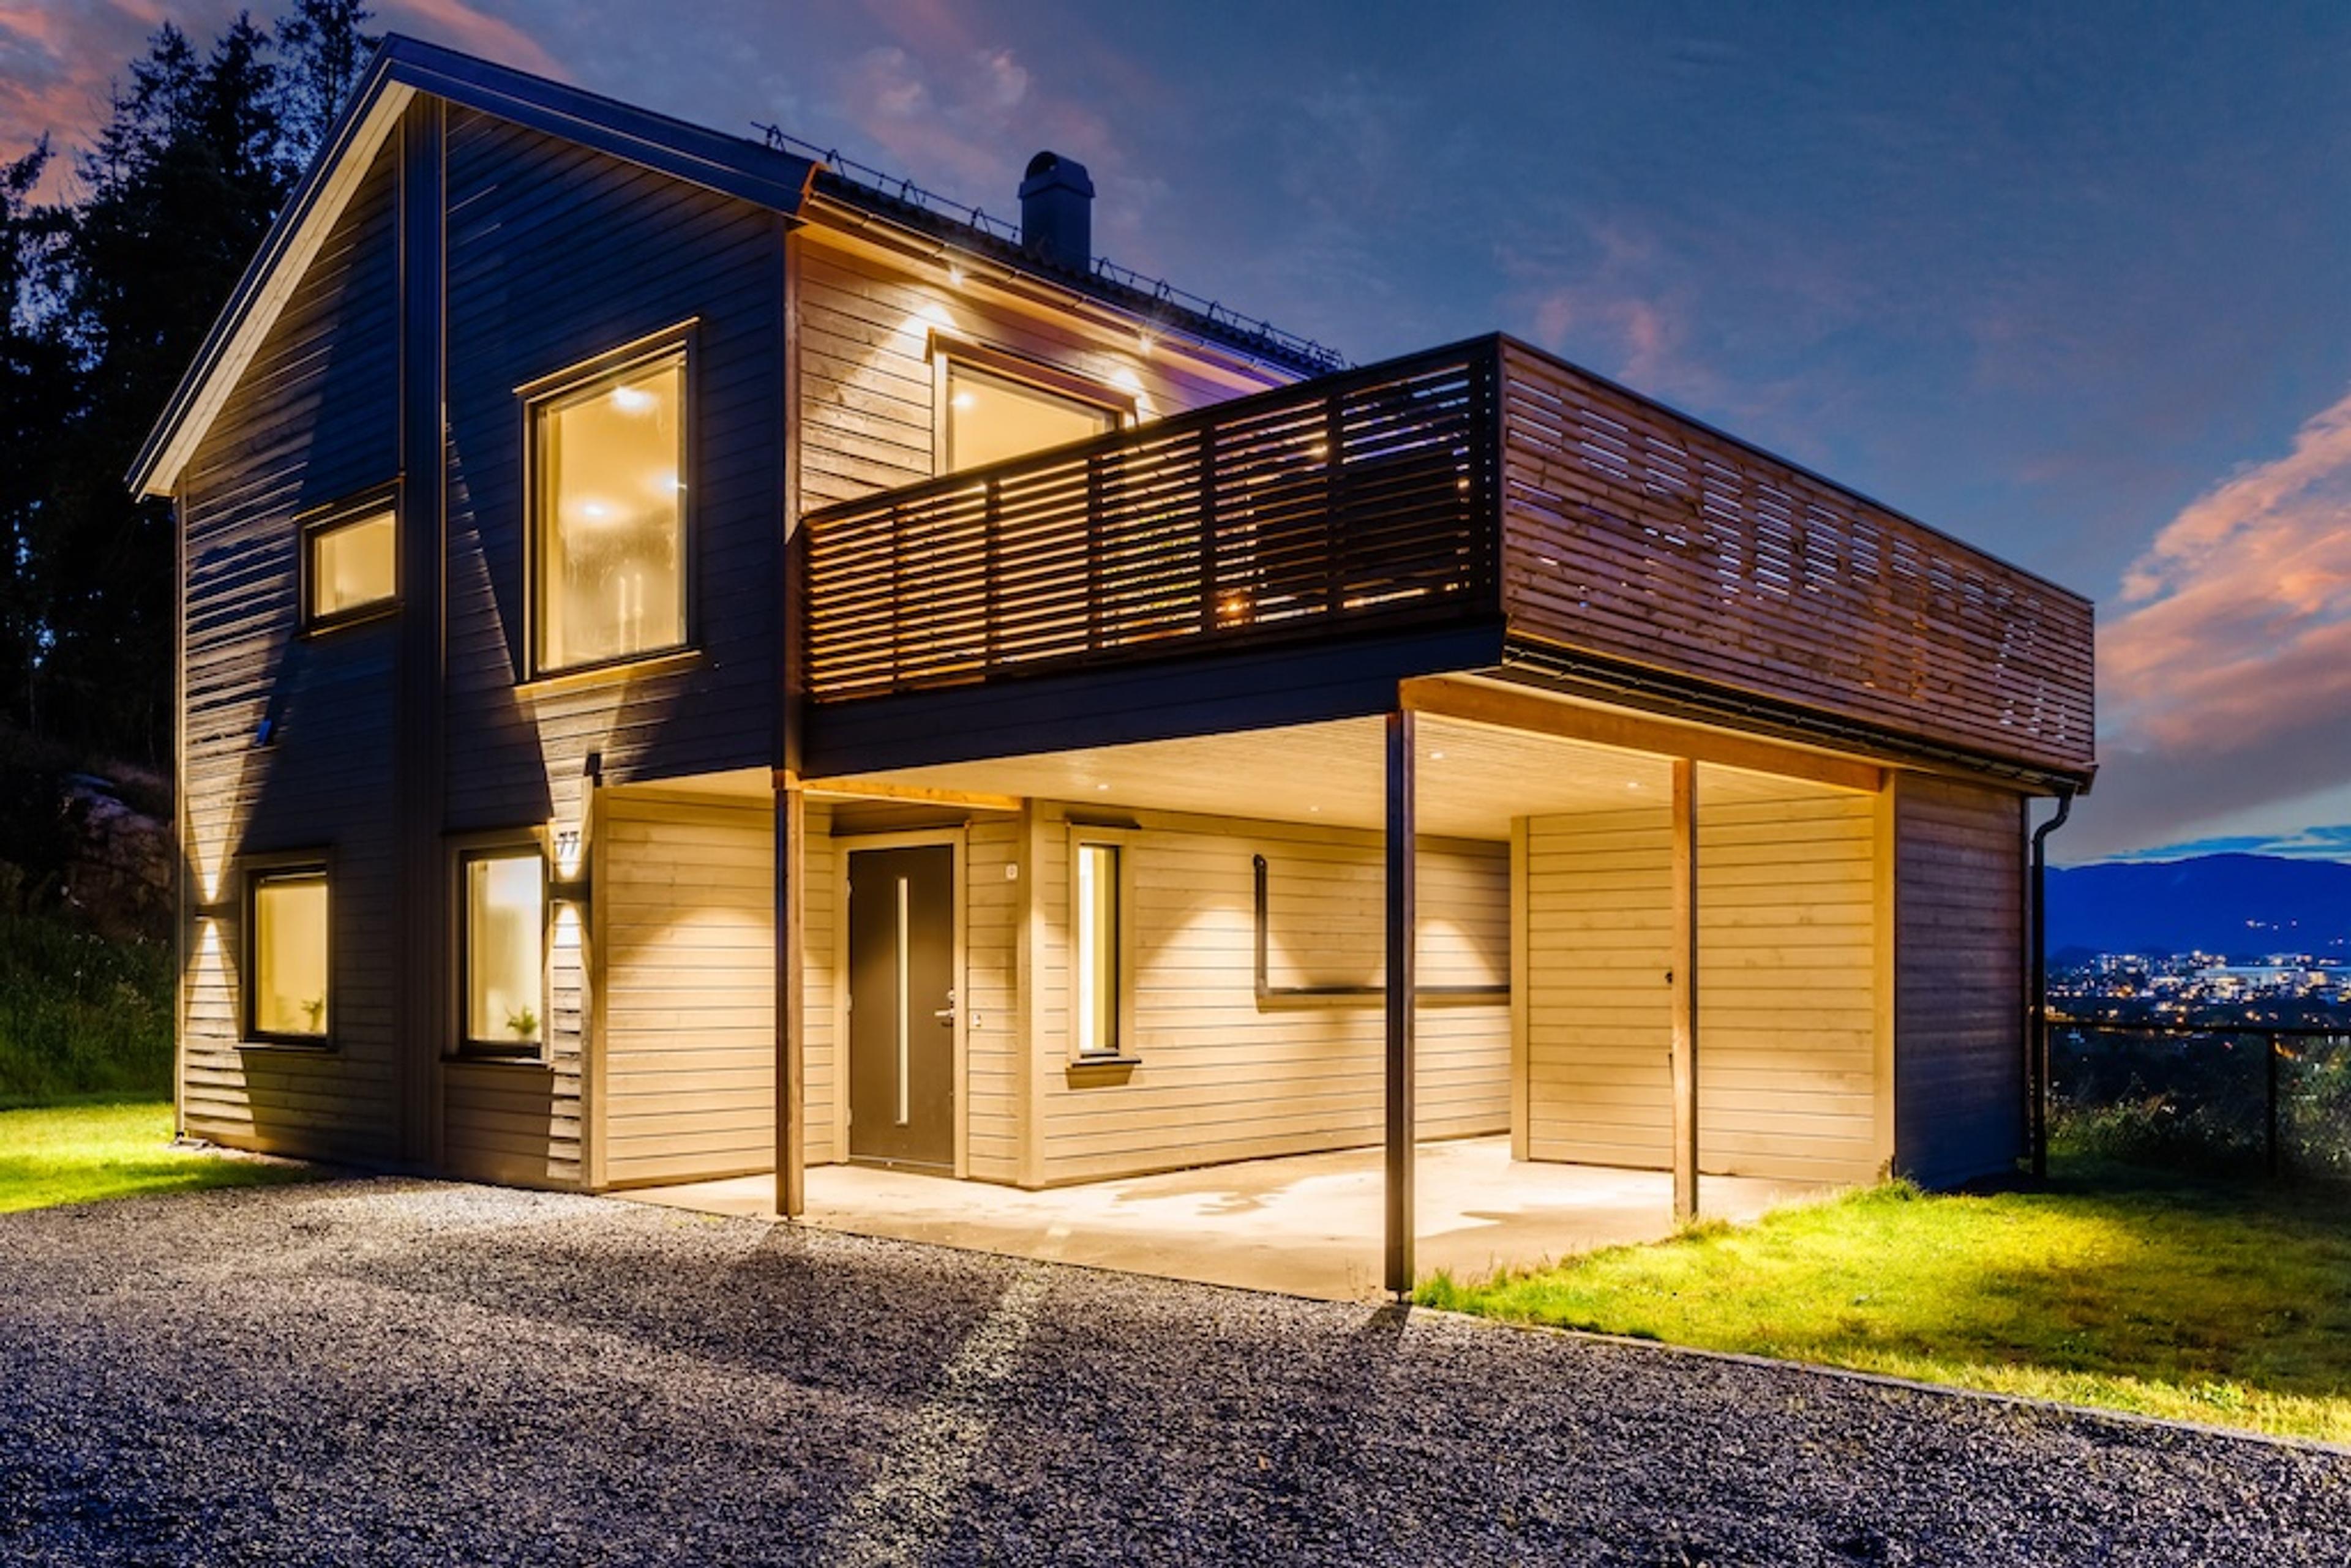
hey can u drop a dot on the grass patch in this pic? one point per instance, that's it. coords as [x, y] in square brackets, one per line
[81, 1015]
[75, 1154]
[2197, 1299]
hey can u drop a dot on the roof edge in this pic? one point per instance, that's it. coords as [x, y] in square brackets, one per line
[401, 68]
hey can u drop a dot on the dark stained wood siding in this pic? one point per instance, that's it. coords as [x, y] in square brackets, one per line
[1959, 1057]
[557, 253]
[312, 420]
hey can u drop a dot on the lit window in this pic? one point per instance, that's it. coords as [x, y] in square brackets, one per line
[992, 418]
[505, 951]
[287, 986]
[1097, 922]
[611, 488]
[354, 564]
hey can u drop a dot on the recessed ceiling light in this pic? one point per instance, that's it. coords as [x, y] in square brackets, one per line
[1104, 788]
[1437, 757]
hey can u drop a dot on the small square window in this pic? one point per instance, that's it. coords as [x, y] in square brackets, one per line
[504, 949]
[352, 566]
[287, 978]
[609, 459]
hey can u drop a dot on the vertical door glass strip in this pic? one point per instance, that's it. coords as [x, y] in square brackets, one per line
[904, 1012]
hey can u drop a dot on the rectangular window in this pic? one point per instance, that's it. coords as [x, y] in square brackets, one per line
[1098, 976]
[992, 418]
[505, 952]
[287, 984]
[354, 564]
[609, 459]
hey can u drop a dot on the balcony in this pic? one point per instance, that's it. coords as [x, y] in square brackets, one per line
[1487, 484]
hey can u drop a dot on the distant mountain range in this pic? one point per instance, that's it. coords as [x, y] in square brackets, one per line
[2243, 905]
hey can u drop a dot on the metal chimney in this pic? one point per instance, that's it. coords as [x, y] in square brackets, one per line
[1056, 204]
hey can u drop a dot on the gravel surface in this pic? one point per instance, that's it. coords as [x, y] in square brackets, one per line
[402, 1373]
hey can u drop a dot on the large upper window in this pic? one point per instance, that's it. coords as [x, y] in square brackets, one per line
[504, 949]
[609, 482]
[352, 564]
[286, 982]
[991, 418]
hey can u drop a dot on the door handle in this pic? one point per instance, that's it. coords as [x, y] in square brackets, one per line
[944, 1015]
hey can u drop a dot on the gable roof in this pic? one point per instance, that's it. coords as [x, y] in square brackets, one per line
[755, 171]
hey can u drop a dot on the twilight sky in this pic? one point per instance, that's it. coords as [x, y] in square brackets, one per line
[2066, 280]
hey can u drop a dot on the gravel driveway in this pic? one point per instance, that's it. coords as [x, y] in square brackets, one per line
[394, 1371]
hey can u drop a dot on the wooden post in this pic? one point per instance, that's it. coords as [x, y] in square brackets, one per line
[1402, 916]
[791, 997]
[1685, 988]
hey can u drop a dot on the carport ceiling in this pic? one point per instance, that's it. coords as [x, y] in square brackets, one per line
[1473, 778]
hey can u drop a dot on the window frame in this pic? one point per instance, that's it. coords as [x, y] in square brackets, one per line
[253, 872]
[947, 350]
[1125, 1051]
[580, 380]
[464, 853]
[326, 519]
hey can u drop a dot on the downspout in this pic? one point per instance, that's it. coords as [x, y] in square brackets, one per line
[2037, 1043]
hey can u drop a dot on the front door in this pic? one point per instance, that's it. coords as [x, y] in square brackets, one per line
[902, 1005]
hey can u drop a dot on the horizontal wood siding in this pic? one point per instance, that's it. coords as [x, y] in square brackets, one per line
[1788, 986]
[820, 1065]
[689, 1023]
[1599, 1007]
[312, 420]
[1632, 533]
[990, 999]
[1959, 1066]
[867, 420]
[1220, 1079]
[557, 253]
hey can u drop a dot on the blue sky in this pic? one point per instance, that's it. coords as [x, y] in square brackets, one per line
[2068, 281]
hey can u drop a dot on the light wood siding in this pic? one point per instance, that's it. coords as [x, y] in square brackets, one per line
[312, 420]
[1599, 926]
[820, 1071]
[1958, 1067]
[557, 253]
[991, 1000]
[1787, 985]
[867, 420]
[689, 927]
[1218, 1078]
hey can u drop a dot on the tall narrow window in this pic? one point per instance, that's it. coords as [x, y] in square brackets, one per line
[352, 565]
[609, 478]
[992, 418]
[505, 952]
[286, 989]
[1097, 966]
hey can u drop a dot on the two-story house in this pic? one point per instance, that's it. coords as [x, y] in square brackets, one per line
[696, 663]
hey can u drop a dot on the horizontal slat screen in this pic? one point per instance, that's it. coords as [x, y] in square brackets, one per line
[1362, 498]
[1638, 535]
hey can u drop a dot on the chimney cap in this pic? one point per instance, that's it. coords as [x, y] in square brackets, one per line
[1049, 169]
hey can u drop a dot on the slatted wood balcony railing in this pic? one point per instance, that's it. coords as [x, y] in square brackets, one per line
[1485, 482]
[1366, 498]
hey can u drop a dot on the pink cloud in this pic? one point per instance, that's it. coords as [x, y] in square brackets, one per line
[2226, 682]
[1618, 318]
[462, 25]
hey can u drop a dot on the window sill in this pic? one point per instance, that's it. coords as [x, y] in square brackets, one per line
[351, 619]
[1094, 1071]
[497, 1059]
[618, 671]
[290, 1047]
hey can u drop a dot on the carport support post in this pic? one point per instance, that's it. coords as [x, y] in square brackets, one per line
[1684, 978]
[1401, 921]
[791, 1001]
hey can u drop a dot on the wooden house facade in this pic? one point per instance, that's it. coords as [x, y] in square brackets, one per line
[693, 665]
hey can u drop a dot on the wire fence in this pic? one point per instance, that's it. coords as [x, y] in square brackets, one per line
[2264, 1099]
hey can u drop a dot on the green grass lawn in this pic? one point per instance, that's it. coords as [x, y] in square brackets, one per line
[2206, 1301]
[73, 1154]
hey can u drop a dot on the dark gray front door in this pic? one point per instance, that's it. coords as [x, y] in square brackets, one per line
[902, 1006]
